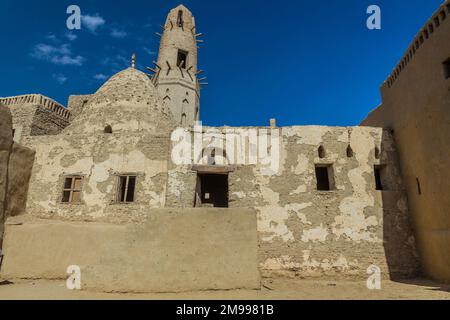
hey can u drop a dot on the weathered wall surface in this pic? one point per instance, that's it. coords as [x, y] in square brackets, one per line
[172, 251]
[6, 143]
[416, 100]
[77, 103]
[99, 159]
[314, 233]
[22, 120]
[36, 115]
[21, 163]
[46, 122]
[15, 170]
[127, 102]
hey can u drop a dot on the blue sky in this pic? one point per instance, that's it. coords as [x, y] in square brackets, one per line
[302, 62]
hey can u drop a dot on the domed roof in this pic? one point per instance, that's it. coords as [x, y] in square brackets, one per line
[128, 101]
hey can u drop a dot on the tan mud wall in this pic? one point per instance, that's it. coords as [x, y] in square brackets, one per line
[21, 163]
[36, 115]
[6, 143]
[172, 251]
[16, 163]
[307, 232]
[417, 108]
[99, 159]
[77, 103]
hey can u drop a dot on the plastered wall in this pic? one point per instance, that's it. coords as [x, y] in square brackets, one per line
[314, 233]
[36, 115]
[99, 159]
[416, 106]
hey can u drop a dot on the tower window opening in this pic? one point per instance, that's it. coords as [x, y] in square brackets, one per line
[324, 176]
[72, 189]
[350, 152]
[377, 153]
[378, 181]
[182, 59]
[126, 189]
[446, 65]
[180, 21]
[13, 132]
[321, 152]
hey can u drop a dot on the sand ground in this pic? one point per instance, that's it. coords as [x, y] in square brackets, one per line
[273, 289]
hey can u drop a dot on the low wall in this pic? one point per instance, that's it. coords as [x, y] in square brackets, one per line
[174, 250]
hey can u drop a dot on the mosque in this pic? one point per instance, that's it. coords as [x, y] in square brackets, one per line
[97, 184]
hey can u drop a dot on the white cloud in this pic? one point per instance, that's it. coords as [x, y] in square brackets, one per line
[149, 51]
[92, 22]
[66, 60]
[43, 50]
[119, 34]
[71, 36]
[100, 76]
[60, 78]
[52, 37]
[61, 55]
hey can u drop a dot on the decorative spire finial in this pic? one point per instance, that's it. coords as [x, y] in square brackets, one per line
[133, 61]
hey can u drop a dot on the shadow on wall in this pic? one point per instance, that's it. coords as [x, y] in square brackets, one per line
[16, 163]
[398, 236]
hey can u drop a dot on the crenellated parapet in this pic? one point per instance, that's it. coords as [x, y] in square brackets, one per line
[441, 16]
[40, 100]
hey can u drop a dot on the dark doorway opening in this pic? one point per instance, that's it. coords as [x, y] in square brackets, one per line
[324, 176]
[212, 190]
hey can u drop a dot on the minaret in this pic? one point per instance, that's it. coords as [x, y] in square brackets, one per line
[176, 70]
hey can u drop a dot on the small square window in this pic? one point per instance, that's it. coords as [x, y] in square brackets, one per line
[72, 189]
[126, 190]
[446, 65]
[182, 59]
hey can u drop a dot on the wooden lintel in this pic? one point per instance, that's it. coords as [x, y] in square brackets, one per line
[204, 169]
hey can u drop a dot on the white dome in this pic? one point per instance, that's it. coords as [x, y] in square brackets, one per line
[128, 101]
